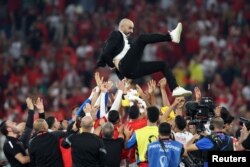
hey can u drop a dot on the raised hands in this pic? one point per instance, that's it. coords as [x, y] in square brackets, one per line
[39, 105]
[29, 103]
[121, 85]
[151, 86]
[98, 79]
[162, 83]
[106, 86]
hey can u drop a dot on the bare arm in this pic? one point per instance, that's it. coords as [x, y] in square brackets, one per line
[151, 91]
[162, 84]
[166, 114]
[197, 92]
[22, 159]
[99, 81]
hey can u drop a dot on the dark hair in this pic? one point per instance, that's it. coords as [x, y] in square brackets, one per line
[3, 128]
[165, 129]
[224, 113]
[229, 119]
[180, 122]
[247, 124]
[153, 114]
[50, 121]
[134, 112]
[113, 116]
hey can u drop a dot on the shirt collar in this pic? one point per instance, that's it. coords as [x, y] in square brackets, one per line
[124, 36]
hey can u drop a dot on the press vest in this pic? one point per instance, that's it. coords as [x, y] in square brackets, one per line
[170, 158]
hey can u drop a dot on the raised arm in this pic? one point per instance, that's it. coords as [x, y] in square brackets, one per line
[99, 81]
[117, 102]
[25, 137]
[162, 84]
[197, 93]
[171, 107]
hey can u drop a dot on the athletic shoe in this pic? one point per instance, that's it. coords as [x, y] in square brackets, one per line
[176, 33]
[180, 91]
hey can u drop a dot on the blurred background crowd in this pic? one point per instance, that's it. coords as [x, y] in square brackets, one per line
[49, 48]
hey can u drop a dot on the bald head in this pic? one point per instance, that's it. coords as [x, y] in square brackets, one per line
[87, 123]
[40, 125]
[217, 122]
[126, 26]
[108, 130]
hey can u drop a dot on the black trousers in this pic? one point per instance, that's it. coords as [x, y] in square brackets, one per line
[132, 67]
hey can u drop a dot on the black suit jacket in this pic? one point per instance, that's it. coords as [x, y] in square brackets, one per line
[113, 46]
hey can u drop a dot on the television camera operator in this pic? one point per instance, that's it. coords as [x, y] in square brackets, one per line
[217, 141]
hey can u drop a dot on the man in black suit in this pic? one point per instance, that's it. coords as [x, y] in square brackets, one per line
[125, 57]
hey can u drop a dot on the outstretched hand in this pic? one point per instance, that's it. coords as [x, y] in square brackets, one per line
[98, 79]
[29, 103]
[162, 83]
[151, 86]
[39, 105]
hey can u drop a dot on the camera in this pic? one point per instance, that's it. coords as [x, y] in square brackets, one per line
[200, 113]
[245, 121]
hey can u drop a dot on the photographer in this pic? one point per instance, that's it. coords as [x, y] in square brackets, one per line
[217, 141]
[244, 141]
[172, 150]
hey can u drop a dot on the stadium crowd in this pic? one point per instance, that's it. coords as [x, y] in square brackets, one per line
[49, 48]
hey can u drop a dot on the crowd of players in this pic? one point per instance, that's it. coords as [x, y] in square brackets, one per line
[119, 127]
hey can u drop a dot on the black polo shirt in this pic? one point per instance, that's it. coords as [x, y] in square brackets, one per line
[114, 151]
[87, 150]
[12, 146]
[44, 150]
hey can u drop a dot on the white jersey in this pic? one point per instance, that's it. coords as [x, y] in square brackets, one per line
[183, 137]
